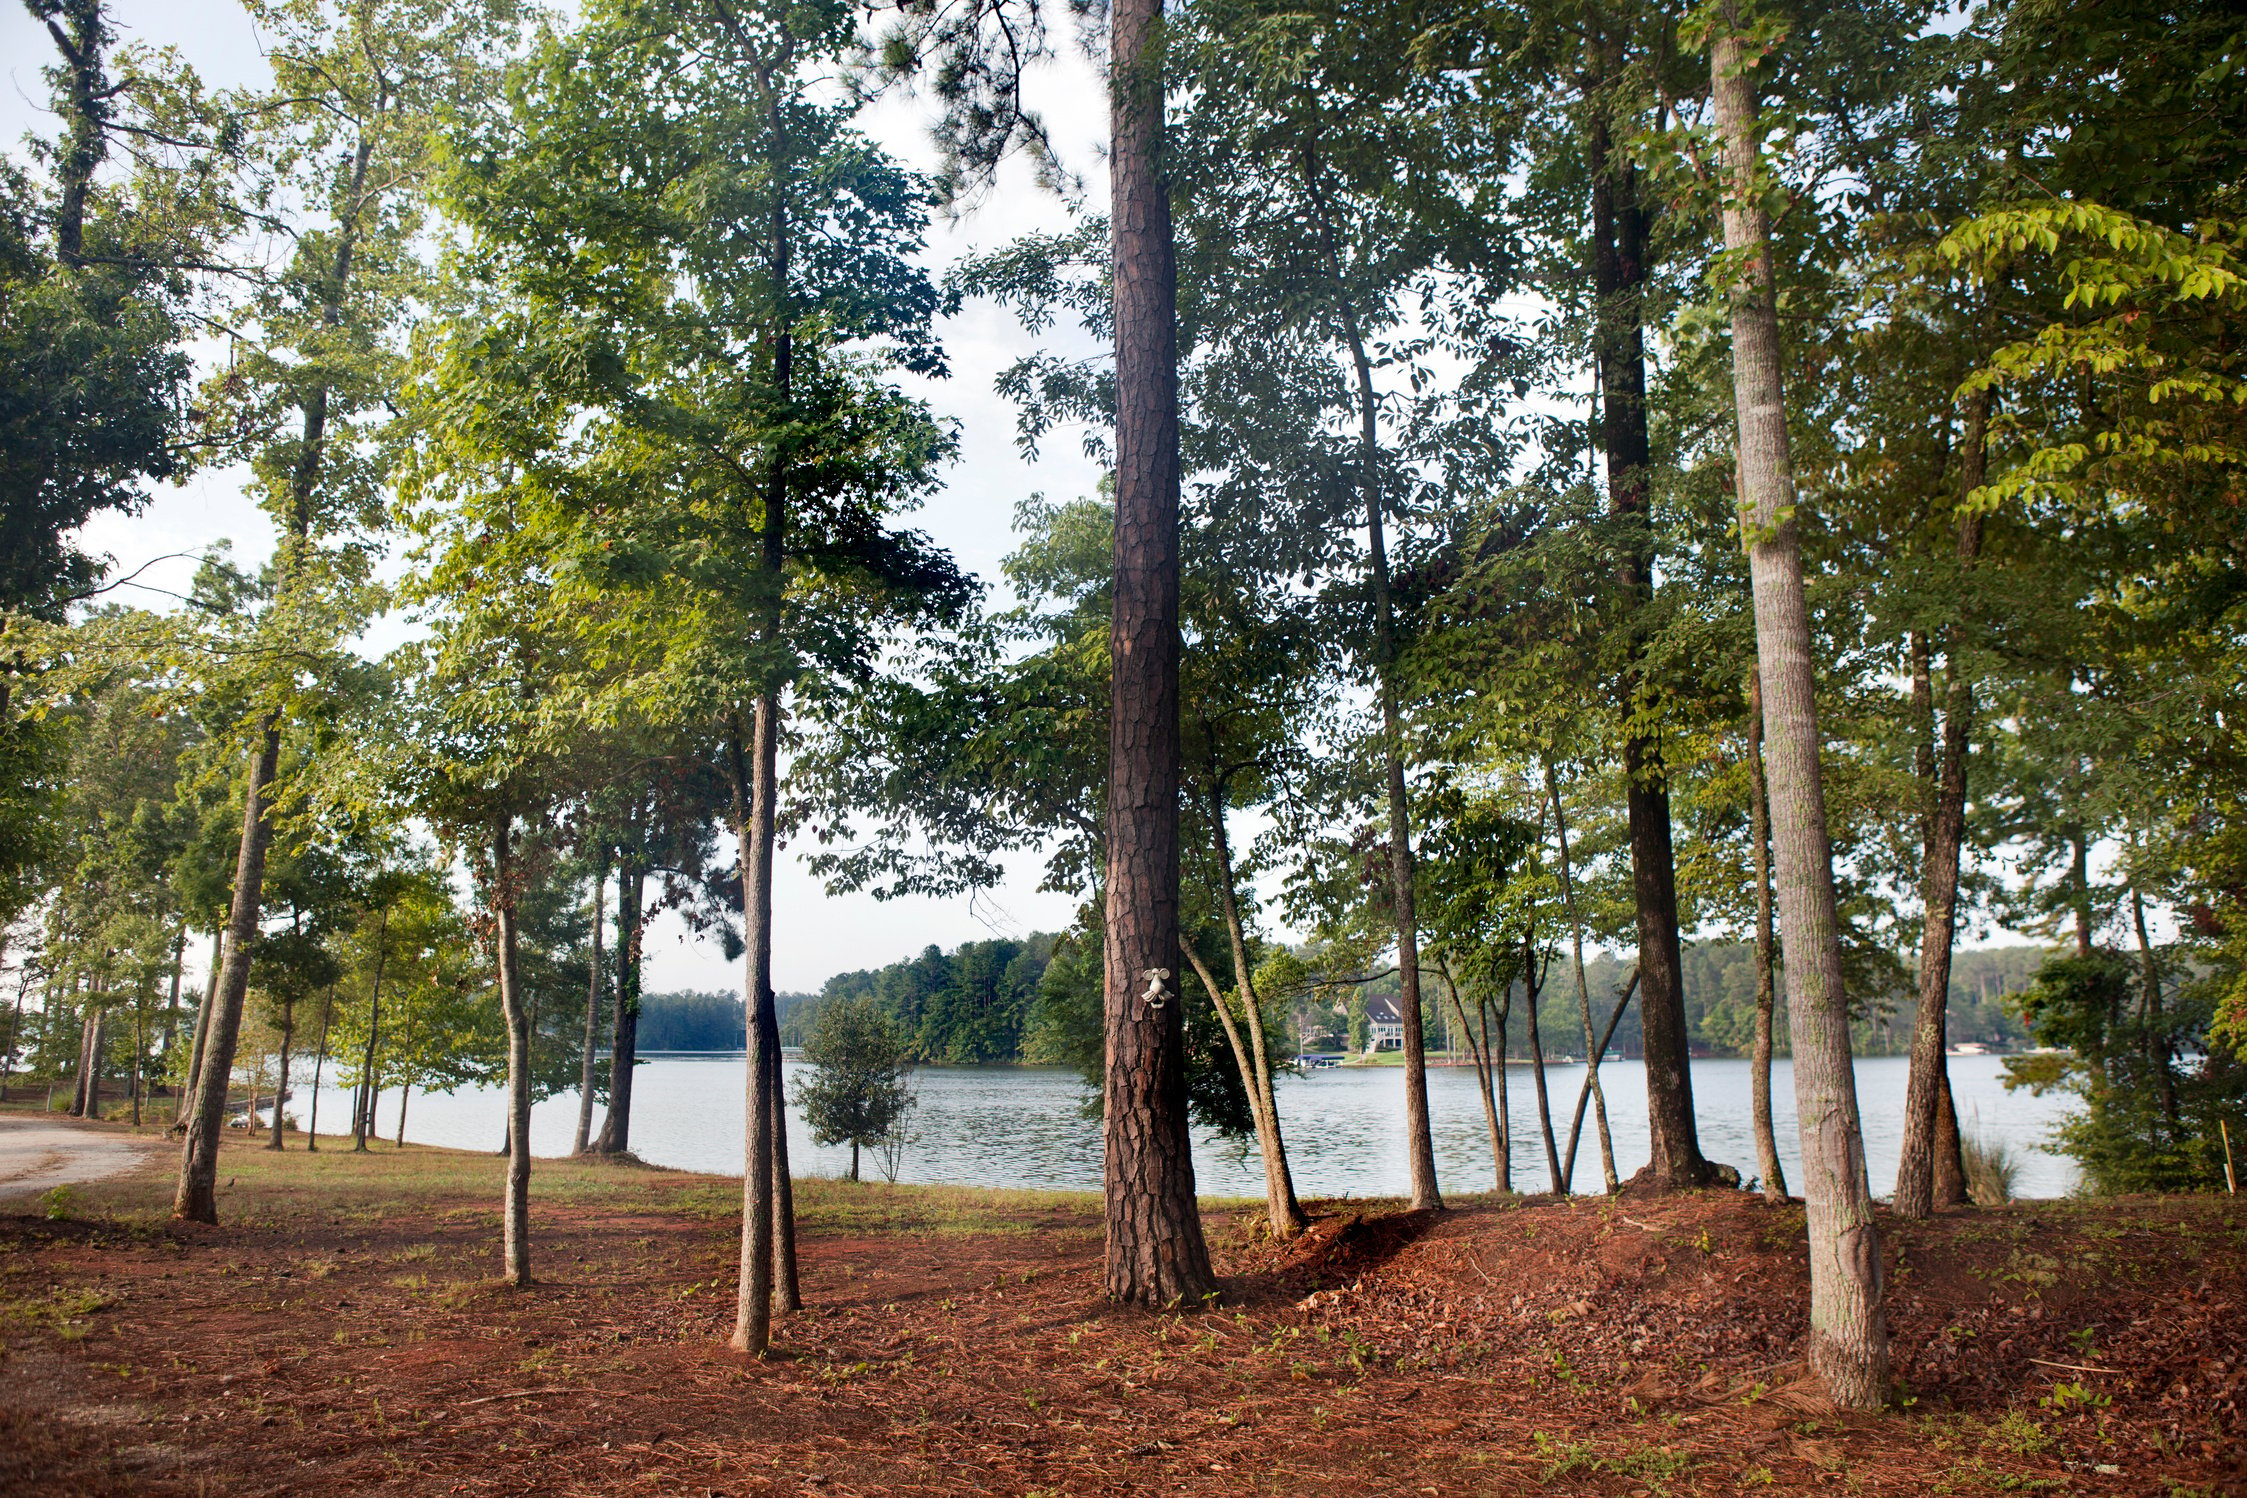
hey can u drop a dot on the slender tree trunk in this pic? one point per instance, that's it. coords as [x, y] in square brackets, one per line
[1285, 1212]
[184, 1104]
[624, 1025]
[1848, 1329]
[1480, 1053]
[854, 1160]
[1619, 244]
[1944, 777]
[1155, 1253]
[515, 1221]
[319, 1064]
[787, 1288]
[405, 1095]
[1505, 1007]
[1279, 1191]
[171, 1003]
[362, 1121]
[1529, 991]
[2079, 886]
[15, 1032]
[140, 1046]
[281, 1083]
[753, 823]
[1766, 957]
[2157, 1039]
[1420, 1149]
[80, 30]
[197, 1197]
[584, 1138]
[1584, 1093]
[86, 1084]
[1592, 1048]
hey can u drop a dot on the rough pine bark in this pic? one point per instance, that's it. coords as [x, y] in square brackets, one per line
[1848, 1346]
[196, 1198]
[1768, 1166]
[514, 1004]
[584, 1140]
[1155, 1252]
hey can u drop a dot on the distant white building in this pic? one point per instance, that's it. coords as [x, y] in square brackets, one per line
[1384, 1025]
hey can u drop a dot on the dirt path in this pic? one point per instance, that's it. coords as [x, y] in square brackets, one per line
[37, 1154]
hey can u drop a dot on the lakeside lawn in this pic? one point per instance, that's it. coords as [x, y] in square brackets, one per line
[342, 1332]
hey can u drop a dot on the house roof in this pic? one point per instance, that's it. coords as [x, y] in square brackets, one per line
[1380, 1009]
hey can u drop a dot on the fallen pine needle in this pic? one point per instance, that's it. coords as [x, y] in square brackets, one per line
[519, 1394]
[2073, 1367]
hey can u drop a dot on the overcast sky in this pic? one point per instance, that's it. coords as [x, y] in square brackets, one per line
[814, 935]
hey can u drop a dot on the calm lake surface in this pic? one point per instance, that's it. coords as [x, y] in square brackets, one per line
[1025, 1126]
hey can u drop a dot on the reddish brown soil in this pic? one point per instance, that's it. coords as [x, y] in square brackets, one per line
[1631, 1346]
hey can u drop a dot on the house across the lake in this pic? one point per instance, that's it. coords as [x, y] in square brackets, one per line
[1384, 1025]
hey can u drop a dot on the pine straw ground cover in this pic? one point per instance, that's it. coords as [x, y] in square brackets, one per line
[341, 1334]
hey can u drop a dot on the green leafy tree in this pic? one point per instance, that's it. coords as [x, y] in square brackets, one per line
[860, 1088]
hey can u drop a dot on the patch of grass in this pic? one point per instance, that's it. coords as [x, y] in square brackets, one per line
[824, 1205]
[1652, 1467]
[66, 1313]
[1991, 1170]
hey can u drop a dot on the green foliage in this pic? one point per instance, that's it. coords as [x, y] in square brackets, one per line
[2151, 1086]
[859, 1089]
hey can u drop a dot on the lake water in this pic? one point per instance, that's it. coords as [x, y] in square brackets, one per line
[1025, 1126]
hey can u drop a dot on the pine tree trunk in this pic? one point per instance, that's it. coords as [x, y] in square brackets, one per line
[584, 1139]
[1774, 1173]
[1950, 1153]
[624, 1024]
[196, 1199]
[1848, 1329]
[1155, 1253]
[515, 1222]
